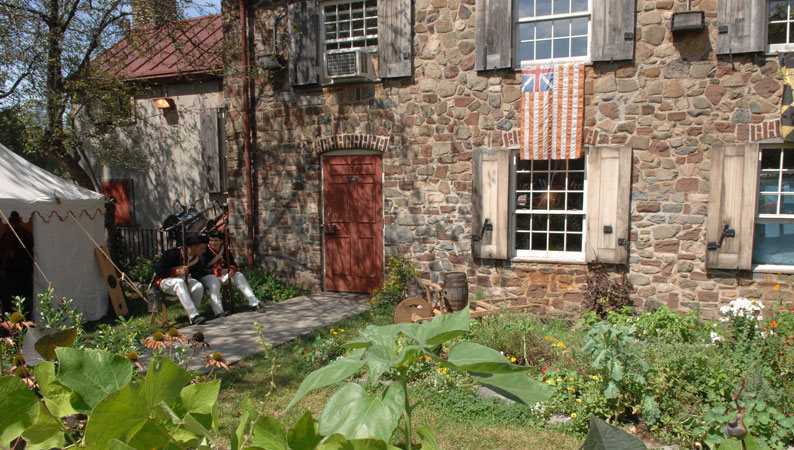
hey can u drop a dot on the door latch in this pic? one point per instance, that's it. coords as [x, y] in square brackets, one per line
[726, 232]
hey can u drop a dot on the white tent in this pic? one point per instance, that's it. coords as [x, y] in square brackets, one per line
[62, 250]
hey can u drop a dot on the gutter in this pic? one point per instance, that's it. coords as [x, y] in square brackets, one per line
[249, 198]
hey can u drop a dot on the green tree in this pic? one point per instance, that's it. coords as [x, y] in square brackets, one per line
[49, 54]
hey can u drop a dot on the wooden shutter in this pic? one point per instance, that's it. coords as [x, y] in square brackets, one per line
[303, 45]
[493, 34]
[210, 153]
[741, 26]
[613, 30]
[608, 202]
[732, 202]
[394, 38]
[491, 192]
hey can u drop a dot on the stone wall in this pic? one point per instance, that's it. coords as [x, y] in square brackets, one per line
[669, 105]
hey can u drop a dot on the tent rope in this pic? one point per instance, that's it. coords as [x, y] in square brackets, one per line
[124, 276]
[35, 264]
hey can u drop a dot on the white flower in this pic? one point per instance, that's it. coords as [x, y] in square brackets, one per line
[715, 337]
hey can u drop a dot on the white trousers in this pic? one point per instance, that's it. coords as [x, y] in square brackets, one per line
[213, 285]
[189, 294]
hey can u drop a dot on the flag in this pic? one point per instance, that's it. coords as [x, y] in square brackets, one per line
[552, 111]
[787, 103]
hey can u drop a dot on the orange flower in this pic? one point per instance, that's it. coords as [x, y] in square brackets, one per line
[156, 341]
[773, 324]
[216, 360]
[777, 286]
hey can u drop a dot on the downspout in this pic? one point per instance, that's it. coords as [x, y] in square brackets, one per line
[249, 197]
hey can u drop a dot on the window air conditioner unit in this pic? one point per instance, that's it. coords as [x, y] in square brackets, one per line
[349, 64]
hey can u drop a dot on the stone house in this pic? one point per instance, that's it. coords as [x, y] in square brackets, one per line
[393, 127]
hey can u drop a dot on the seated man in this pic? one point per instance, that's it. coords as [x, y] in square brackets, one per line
[176, 274]
[218, 270]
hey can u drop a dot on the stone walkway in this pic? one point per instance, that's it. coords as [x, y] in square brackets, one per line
[236, 337]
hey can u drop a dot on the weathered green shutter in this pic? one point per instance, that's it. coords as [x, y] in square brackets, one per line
[612, 30]
[732, 202]
[394, 38]
[493, 34]
[490, 196]
[608, 204]
[741, 26]
[303, 46]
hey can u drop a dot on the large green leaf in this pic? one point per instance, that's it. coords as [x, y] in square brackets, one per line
[352, 413]
[269, 433]
[164, 381]
[15, 396]
[385, 335]
[379, 359]
[408, 355]
[441, 329]
[750, 443]
[120, 416]
[56, 395]
[45, 434]
[339, 442]
[92, 375]
[305, 434]
[151, 436]
[335, 372]
[201, 398]
[517, 387]
[116, 444]
[480, 359]
[47, 344]
[427, 438]
[246, 414]
[603, 436]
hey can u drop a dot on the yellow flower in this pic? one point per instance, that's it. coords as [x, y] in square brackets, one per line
[334, 332]
[578, 400]
[570, 388]
[573, 415]
[546, 338]
[341, 329]
[560, 344]
[570, 379]
[559, 380]
[595, 377]
[512, 359]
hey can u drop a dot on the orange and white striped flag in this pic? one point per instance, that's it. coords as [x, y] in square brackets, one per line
[552, 111]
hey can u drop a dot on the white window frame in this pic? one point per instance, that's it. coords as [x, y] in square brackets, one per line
[775, 48]
[771, 218]
[517, 41]
[544, 256]
[369, 48]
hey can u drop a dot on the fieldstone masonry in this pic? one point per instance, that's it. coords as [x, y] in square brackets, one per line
[669, 106]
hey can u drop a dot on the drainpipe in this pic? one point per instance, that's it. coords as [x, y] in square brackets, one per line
[249, 197]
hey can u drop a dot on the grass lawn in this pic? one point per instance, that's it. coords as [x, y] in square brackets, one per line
[459, 419]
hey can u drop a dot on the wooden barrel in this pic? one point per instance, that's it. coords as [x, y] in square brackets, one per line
[456, 290]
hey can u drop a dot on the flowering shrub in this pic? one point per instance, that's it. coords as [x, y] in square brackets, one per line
[324, 349]
[400, 272]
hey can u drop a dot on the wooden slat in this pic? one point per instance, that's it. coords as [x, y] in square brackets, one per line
[209, 148]
[493, 34]
[394, 38]
[111, 281]
[744, 26]
[608, 203]
[303, 47]
[491, 200]
[732, 201]
[611, 21]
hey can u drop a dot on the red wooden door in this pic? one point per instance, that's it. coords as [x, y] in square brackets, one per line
[353, 210]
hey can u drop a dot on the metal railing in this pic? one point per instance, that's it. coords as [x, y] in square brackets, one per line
[137, 242]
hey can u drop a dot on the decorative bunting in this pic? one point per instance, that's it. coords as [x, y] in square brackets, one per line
[552, 111]
[787, 103]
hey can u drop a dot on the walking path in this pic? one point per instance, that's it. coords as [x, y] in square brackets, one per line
[235, 335]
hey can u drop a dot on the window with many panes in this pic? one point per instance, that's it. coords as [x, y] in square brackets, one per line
[552, 30]
[773, 242]
[780, 14]
[549, 216]
[349, 25]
